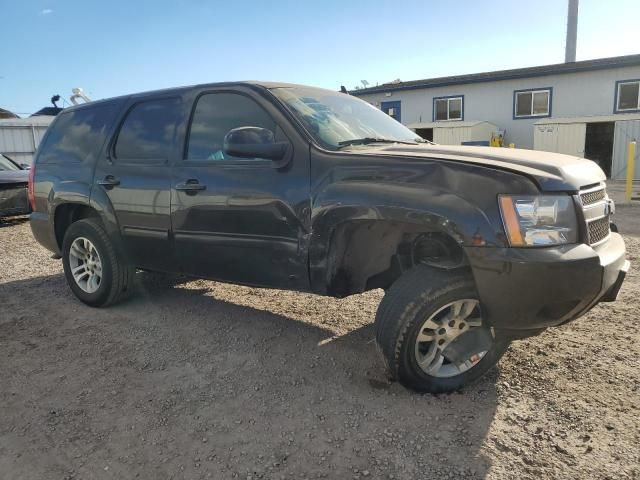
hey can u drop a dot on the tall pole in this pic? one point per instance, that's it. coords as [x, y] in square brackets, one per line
[631, 160]
[572, 32]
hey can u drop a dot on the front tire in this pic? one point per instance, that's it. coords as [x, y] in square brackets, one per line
[417, 322]
[95, 271]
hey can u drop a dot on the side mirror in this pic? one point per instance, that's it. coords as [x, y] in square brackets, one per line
[25, 166]
[254, 142]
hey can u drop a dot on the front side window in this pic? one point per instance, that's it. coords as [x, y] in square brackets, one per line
[628, 96]
[148, 130]
[215, 115]
[447, 108]
[532, 103]
[336, 120]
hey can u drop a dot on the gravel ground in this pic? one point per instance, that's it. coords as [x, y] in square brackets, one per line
[200, 379]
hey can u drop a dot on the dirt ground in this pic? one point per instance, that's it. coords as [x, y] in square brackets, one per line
[206, 380]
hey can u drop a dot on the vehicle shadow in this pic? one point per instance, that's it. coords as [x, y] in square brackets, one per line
[239, 387]
[12, 221]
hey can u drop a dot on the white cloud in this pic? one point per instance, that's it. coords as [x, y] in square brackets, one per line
[46, 11]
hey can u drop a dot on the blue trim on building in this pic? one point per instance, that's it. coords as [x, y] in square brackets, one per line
[616, 92]
[518, 73]
[396, 104]
[433, 108]
[535, 89]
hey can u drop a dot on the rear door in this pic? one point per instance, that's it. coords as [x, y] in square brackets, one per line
[237, 219]
[134, 173]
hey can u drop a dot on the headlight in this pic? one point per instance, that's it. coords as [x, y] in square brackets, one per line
[538, 220]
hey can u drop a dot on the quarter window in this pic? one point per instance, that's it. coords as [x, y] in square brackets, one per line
[532, 103]
[215, 115]
[628, 96]
[148, 131]
[76, 135]
[449, 108]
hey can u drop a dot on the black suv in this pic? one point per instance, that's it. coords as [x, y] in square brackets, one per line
[298, 188]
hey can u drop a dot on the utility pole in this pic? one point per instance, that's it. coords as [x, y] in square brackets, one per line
[572, 32]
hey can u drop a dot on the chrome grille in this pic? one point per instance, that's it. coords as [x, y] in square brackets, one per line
[598, 230]
[597, 209]
[592, 197]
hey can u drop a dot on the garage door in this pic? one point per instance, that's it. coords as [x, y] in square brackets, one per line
[560, 138]
[626, 131]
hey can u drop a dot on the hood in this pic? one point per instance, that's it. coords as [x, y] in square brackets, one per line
[14, 176]
[551, 171]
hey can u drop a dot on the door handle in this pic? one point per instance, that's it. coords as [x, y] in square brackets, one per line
[191, 186]
[109, 182]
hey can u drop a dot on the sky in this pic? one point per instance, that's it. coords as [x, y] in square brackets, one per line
[115, 47]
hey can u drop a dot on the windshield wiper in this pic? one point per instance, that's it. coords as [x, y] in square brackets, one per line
[368, 140]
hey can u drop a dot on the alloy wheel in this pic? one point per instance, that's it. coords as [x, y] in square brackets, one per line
[442, 328]
[85, 264]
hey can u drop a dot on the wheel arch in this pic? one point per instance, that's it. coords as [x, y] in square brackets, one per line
[367, 254]
[68, 213]
[358, 246]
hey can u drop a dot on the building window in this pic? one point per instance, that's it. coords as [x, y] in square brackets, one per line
[627, 96]
[392, 109]
[532, 103]
[448, 108]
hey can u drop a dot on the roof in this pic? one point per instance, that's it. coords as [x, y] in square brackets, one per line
[41, 120]
[455, 124]
[590, 119]
[7, 114]
[53, 111]
[178, 90]
[541, 71]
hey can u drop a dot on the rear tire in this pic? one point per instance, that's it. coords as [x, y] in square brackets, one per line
[420, 303]
[95, 269]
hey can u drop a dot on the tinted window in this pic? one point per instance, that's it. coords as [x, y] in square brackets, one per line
[78, 135]
[214, 116]
[148, 130]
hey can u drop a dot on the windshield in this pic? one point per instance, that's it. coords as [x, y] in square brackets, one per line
[6, 164]
[337, 119]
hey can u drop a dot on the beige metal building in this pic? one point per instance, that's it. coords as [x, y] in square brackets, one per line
[19, 137]
[590, 137]
[455, 133]
[524, 101]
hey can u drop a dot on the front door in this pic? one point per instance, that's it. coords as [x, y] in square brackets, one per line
[392, 109]
[236, 219]
[135, 174]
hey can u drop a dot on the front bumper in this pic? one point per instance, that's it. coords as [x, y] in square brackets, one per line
[13, 201]
[533, 288]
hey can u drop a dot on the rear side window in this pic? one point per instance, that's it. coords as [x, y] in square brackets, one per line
[77, 136]
[215, 115]
[148, 131]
